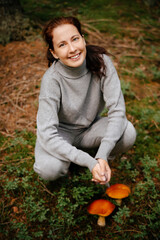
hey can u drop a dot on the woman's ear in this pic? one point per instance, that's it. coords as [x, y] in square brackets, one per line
[53, 53]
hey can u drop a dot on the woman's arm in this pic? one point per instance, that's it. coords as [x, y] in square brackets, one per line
[115, 104]
[47, 127]
[117, 122]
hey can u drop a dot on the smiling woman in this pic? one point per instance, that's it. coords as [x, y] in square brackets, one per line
[79, 83]
[69, 45]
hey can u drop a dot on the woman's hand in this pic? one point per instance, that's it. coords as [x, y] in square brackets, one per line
[101, 172]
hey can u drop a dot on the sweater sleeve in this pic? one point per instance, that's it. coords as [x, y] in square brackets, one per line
[47, 128]
[114, 100]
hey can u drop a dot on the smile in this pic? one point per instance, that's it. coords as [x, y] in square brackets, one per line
[75, 56]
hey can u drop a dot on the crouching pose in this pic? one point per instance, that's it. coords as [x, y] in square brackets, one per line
[81, 80]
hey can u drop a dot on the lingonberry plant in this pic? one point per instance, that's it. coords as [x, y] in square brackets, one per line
[31, 208]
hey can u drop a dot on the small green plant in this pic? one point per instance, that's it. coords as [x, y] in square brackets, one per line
[126, 89]
[33, 209]
[122, 215]
[155, 73]
[140, 74]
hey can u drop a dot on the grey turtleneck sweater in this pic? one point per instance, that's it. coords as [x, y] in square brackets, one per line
[72, 98]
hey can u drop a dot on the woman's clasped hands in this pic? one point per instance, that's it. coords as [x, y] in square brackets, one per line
[101, 173]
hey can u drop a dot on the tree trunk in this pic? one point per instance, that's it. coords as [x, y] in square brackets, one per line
[150, 3]
[12, 21]
[9, 7]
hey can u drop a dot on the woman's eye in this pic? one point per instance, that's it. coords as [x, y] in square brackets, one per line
[61, 45]
[75, 39]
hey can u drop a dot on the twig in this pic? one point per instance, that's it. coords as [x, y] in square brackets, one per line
[17, 98]
[39, 68]
[14, 84]
[91, 27]
[31, 93]
[99, 20]
[125, 46]
[96, 35]
[45, 189]
[14, 105]
[15, 160]
[133, 55]
[126, 70]
[7, 134]
[127, 230]
[1, 223]
[154, 122]
[4, 149]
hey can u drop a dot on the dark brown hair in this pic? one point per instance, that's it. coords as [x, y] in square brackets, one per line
[94, 59]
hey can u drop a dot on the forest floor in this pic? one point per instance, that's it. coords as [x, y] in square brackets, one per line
[24, 63]
[31, 208]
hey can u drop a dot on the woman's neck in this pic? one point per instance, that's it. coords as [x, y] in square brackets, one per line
[71, 72]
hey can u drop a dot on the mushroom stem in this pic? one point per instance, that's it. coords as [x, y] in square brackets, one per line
[119, 201]
[101, 221]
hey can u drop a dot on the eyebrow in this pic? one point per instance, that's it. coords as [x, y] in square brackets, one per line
[76, 35]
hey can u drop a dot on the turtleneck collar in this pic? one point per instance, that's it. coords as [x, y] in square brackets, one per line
[71, 72]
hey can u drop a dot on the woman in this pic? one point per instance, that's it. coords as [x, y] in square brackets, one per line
[74, 90]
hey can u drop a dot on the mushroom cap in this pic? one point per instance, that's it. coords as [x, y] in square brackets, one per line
[118, 191]
[101, 207]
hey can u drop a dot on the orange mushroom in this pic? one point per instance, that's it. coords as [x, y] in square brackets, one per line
[118, 191]
[102, 208]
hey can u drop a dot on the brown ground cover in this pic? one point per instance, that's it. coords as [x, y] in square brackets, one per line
[22, 65]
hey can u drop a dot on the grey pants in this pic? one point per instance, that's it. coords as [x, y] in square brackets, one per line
[51, 168]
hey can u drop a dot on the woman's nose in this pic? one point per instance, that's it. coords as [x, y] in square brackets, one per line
[72, 48]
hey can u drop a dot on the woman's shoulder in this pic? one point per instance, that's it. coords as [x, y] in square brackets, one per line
[51, 76]
[107, 59]
[109, 64]
[49, 83]
[50, 73]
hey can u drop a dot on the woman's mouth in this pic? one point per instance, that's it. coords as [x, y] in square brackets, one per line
[75, 57]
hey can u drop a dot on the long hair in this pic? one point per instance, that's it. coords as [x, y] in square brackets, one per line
[94, 59]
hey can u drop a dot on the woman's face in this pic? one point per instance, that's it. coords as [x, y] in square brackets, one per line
[69, 45]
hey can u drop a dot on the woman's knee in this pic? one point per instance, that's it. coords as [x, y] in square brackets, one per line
[126, 141]
[129, 137]
[47, 166]
[130, 134]
[49, 171]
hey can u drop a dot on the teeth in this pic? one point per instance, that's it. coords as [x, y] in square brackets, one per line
[75, 56]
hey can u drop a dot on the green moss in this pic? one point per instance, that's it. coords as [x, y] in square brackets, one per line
[57, 210]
